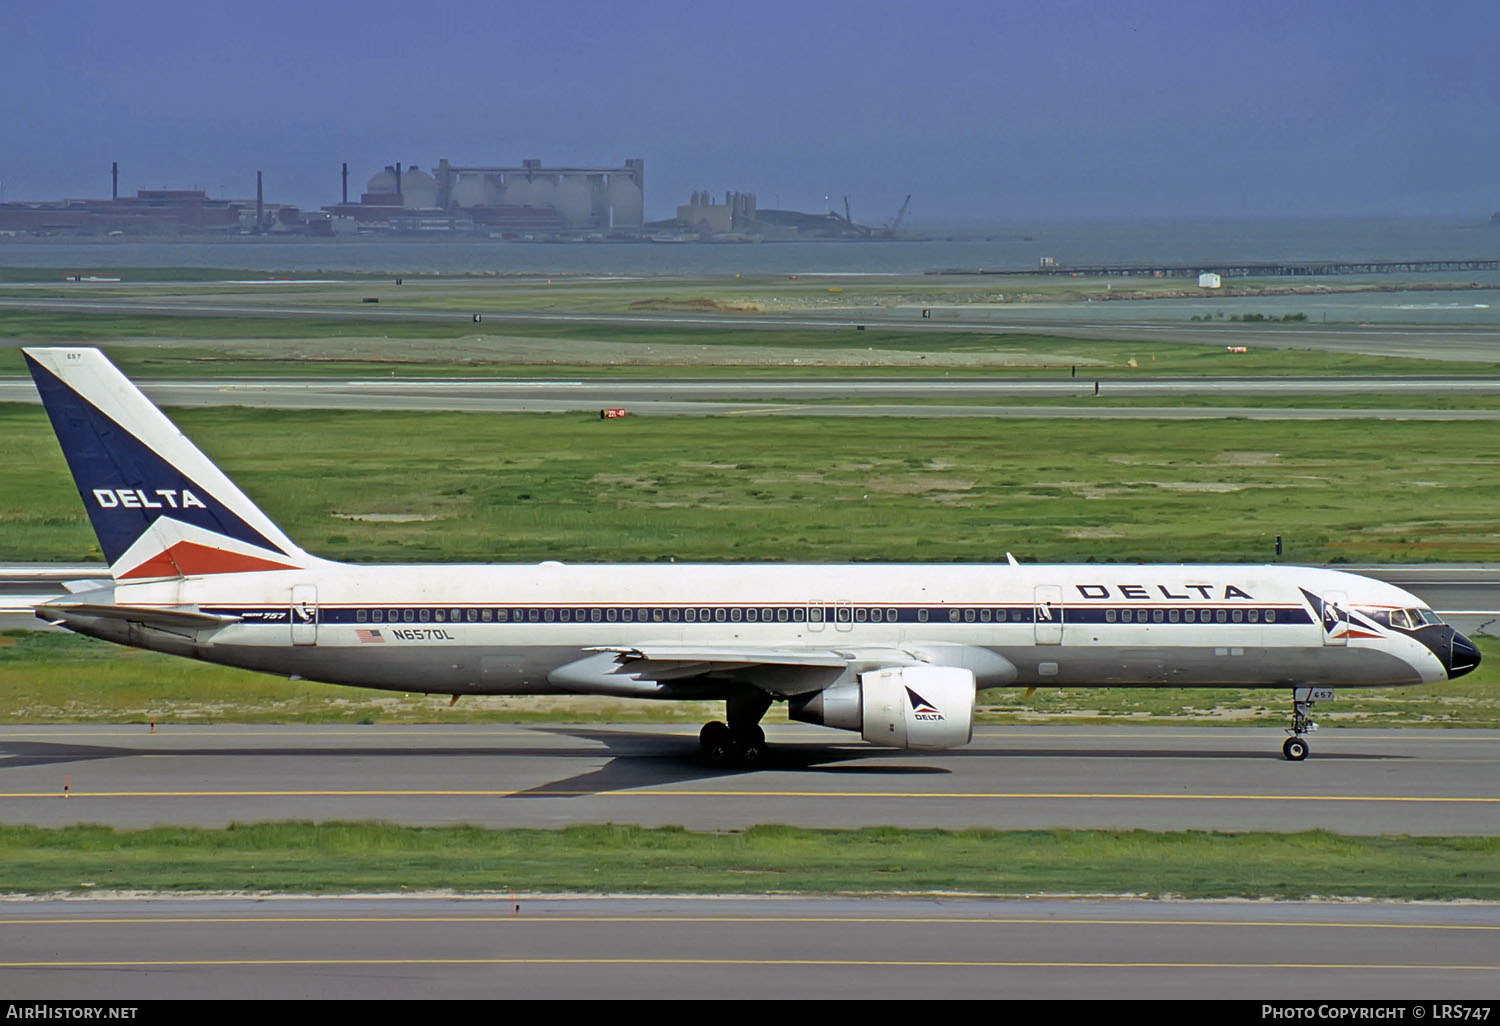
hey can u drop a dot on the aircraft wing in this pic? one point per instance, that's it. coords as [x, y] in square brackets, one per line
[640, 670]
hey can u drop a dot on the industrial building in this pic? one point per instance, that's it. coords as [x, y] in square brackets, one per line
[702, 214]
[149, 211]
[160, 212]
[521, 200]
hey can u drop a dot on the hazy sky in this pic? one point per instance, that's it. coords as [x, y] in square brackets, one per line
[992, 110]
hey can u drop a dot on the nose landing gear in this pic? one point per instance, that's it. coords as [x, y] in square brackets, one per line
[1295, 747]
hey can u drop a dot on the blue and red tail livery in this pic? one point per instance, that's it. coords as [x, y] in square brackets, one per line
[160, 507]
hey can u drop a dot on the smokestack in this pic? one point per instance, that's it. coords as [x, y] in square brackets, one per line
[260, 205]
[114, 180]
[398, 178]
[346, 181]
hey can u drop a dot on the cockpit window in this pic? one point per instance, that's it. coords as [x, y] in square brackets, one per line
[1414, 617]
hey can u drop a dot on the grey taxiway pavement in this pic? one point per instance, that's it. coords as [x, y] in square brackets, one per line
[714, 948]
[821, 396]
[1433, 782]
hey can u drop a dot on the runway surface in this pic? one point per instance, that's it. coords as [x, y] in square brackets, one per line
[715, 948]
[818, 396]
[1437, 782]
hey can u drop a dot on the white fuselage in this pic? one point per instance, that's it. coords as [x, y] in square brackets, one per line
[509, 629]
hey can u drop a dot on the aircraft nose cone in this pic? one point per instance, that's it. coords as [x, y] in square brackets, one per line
[1465, 656]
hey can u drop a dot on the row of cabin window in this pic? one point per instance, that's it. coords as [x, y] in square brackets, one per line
[1191, 616]
[782, 614]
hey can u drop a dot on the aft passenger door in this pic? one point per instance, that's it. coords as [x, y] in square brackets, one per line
[1047, 614]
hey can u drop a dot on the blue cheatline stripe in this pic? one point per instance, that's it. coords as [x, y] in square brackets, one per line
[863, 615]
[106, 458]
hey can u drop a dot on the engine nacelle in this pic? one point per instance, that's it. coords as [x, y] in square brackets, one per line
[901, 706]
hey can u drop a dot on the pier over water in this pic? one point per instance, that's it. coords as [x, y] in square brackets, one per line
[1314, 269]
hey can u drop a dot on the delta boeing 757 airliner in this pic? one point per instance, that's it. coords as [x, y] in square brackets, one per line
[894, 652]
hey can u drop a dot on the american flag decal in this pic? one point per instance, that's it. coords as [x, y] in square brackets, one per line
[367, 636]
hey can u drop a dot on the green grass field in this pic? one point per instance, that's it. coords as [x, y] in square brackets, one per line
[517, 487]
[152, 345]
[334, 858]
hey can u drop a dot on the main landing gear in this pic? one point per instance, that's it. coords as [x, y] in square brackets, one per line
[740, 742]
[1295, 747]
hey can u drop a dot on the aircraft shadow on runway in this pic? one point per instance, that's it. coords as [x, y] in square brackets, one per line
[646, 760]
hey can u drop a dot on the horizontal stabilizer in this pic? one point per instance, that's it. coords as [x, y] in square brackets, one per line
[153, 616]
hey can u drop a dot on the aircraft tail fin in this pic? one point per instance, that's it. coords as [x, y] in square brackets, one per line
[159, 506]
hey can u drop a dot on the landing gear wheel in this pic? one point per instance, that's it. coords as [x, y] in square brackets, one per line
[1294, 749]
[752, 751]
[713, 733]
[723, 753]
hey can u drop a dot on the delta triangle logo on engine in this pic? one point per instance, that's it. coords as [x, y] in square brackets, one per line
[921, 708]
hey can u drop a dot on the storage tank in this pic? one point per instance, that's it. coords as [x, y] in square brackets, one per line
[418, 189]
[469, 190]
[529, 192]
[383, 183]
[573, 200]
[626, 201]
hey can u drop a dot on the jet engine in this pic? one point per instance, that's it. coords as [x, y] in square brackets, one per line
[900, 707]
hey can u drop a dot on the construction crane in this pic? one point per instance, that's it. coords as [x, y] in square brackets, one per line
[886, 233]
